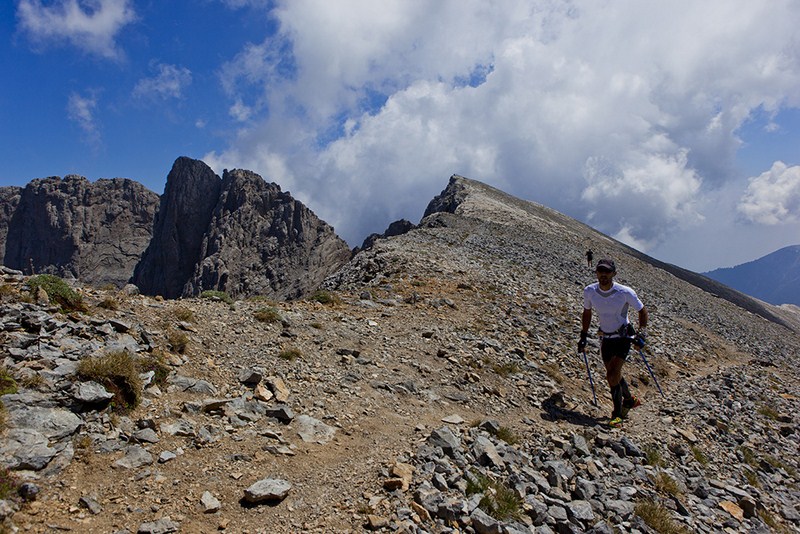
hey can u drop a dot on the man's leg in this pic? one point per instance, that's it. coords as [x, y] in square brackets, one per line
[614, 377]
[626, 392]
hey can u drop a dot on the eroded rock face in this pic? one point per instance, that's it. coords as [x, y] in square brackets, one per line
[72, 227]
[262, 241]
[191, 192]
[9, 199]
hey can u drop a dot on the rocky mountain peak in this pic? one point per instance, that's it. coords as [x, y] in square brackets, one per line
[78, 229]
[262, 241]
[190, 195]
[237, 234]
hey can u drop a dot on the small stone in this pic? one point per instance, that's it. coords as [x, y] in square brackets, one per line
[90, 504]
[210, 503]
[162, 526]
[453, 419]
[375, 522]
[733, 509]
[267, 490]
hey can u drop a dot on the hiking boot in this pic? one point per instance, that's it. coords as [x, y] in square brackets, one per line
[629, 404]
[615, 422]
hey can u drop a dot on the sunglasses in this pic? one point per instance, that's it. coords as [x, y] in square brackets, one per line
[603, 270]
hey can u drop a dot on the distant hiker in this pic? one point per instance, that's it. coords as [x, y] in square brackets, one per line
[612, 300]
[589, 257]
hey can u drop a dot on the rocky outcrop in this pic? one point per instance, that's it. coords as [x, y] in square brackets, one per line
[396, 228]
[9, 198]
[261, 241]
[237, 234]
[75, 228]
[186, 207]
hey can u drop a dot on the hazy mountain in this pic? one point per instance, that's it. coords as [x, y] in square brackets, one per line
[774, 278]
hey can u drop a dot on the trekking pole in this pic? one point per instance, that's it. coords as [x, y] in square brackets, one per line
[641, 355]
[589, 371]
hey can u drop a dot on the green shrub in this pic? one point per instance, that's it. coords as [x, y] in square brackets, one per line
[777, 463]
[507, 435]
[34, 381]
[769, 411]
[290, 354]
[658, 518]
[506, 369]
[751, 477]
[652, 455]
[267, 315]
[748, 456]
[109, 303]
[9, 293]
[58, 291]
[156, 363]
[666, 484]
[325, 297]
[7, 382]
[552, 370]
[118, 373]
[177, 340]
[8, 485]
[219, 295]
[184, 314]
[699, 455]
[498, 500]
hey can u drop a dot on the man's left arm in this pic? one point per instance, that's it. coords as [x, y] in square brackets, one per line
[643, 318]
[641, 335]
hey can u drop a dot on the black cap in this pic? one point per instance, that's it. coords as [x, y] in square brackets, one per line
[605, 263]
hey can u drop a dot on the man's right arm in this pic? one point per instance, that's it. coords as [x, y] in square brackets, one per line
[586, 320]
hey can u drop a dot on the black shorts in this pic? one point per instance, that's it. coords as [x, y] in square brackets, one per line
[612, 347]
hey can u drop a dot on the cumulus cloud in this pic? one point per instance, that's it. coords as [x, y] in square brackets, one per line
[169, 82]
[625, 114]
[773, 197]
[81, 110]
[91, 25]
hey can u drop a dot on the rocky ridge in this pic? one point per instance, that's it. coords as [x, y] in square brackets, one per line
[441, 373]
[237, 234]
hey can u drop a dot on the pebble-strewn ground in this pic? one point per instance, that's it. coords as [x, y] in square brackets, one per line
[443, 380]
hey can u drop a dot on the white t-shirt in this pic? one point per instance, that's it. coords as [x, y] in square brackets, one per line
[612, 305]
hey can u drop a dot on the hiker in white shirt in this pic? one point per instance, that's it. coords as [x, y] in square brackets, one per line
[611, 301]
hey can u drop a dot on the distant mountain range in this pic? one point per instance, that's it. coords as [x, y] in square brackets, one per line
[774, 278]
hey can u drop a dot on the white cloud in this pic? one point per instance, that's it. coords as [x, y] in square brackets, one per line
[773, 197]
[81, 110]
[169, 82]
[628, 111]
[91, 25]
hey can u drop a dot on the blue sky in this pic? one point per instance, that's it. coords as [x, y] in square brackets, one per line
[674, 126]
